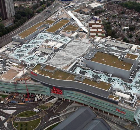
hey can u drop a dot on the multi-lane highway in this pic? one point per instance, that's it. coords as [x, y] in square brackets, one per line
[37, 18]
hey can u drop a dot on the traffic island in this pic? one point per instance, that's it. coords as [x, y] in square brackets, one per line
[31, 125]
[26, 114]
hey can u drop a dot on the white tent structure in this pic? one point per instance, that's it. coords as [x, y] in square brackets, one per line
[78, 21]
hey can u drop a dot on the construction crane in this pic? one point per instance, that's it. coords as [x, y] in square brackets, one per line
[27, 90]
[25, 79]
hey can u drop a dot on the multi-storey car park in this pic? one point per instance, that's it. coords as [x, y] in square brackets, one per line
[64, 61]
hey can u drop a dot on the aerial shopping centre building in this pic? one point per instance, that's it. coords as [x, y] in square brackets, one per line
[63, 60]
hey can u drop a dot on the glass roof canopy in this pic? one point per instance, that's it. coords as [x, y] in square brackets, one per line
[22, 53]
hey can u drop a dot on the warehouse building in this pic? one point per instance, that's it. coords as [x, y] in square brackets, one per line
[111, 60]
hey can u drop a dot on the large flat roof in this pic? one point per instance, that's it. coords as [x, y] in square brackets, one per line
[65, 56]
[111, 60]
[57, 74]
[48, 67]
[34, 28]
[114, 97]
[62, 75]
[58, 25]
[30, 30]
[49, 21]
[71, 28]
[131, 56]
[101, 84]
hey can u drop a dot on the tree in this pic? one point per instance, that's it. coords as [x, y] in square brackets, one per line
[126, 40]
[17, 16]
[130, 35]
[1, 27]
[34, 7]
[132, 28]
[131, 5]
[1, 34]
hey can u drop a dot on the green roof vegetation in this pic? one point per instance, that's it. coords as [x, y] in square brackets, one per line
[71, 28]
[113, 97]
[30, 30]
[101, 85]
[59, 74]
[49, 67]
[58, 25]
[49, 21]
[131, 56]
[111, 60]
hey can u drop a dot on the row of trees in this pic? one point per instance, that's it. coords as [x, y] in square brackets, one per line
[23, 14]
[131, 5]
[98, 12]
[38, 7]
[108, 29]
[21, 17]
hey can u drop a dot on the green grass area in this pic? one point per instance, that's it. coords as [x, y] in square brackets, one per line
[3, 96]
[43, 107]
[31, 125]
[50, 128]
[26, 114]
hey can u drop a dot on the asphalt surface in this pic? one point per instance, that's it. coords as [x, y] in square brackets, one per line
[53, 111]
[116, 123]
[45, 115]
[18, 107]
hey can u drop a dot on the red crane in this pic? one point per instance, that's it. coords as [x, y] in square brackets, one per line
[25, 84]
[27, 90]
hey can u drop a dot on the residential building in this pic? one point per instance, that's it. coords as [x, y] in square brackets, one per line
[7, 9]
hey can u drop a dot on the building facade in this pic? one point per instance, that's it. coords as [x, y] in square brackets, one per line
[74, 95]
[7, 9]
[83, 92]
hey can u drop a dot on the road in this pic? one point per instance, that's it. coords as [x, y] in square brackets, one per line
[116, 123]
[37, 18]
[45, 115]
[18, 107]
[53, 111]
